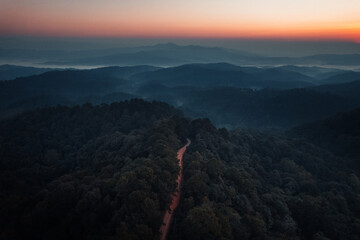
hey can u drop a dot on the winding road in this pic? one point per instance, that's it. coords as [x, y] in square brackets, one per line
[175, 197]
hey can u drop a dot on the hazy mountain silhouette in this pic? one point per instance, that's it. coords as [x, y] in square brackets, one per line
[210, 75]
[349, 89]
[333, 59]
[339, 134]
[342, 78]
[312, 71]
[265, 108]
[221, 91]
[71, 85]
[320, 59]
[237, 107]
[68, 82]
[8, 72]
[168, 54]
[172, 54]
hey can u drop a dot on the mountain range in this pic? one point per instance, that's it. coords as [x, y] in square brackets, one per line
[168, 54]
[230, 95]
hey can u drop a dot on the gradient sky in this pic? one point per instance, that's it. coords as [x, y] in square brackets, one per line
[263, 19]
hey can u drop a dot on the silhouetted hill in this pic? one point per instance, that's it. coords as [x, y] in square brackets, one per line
[171, 55]
[317, 60]
[342, 78]
[326, 75]
[8, 72]
[224, 66]
[121, 72]
[295, 79]
[202, 90]
[168, 54]
[69, 84]
[308, 71]
[349, 89]
[317, 73]
[339, 134]
[333, 59]
[210, 75]
[267, 108]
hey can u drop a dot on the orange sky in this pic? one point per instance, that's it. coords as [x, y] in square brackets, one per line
[280, 19]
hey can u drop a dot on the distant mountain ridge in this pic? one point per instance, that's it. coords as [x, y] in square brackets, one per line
[342, 78]
[168, 54]
[315, 60]
[223, 74]
[230, 95]
[67, 86]
[8, 72]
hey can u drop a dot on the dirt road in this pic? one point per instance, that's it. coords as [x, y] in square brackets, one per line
[164, 229]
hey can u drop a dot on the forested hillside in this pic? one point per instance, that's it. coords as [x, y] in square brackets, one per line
[264, 109]
[249, 185]
[70, 87]
[231, 96]
[106, 172]
[87, 172]
[339, 134]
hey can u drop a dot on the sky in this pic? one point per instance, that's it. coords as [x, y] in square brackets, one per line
[330, 20]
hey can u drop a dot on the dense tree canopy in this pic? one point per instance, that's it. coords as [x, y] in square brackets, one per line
[87, 172]
[339, 134]
[250, 185]
[107, 172]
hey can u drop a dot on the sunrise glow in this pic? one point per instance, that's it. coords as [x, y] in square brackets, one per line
[279, 19]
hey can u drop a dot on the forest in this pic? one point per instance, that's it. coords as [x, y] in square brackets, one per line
[245, 184]
[107, 171]
[87, 172]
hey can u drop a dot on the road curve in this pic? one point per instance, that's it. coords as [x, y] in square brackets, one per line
[175, 197]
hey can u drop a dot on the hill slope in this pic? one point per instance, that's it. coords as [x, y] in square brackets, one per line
[220, 74]
[342, 78]
[349, 89]
[202, 90]
[8, 72]
[87, 172]
[266, 109]
[106, 172]
[66, 86]
[339, 134]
